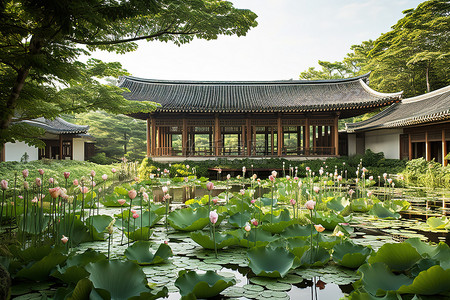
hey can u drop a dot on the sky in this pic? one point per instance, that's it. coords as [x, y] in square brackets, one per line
[292, 36]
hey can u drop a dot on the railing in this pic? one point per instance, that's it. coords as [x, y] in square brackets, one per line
[241, 151]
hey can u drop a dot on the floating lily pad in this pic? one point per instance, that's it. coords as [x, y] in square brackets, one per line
[202, 286]
[270, 262]
[140, 252]
[438, 223]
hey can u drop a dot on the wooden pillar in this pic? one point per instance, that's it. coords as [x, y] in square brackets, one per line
[427, 147]
[299, 134]
[243, 143]
[153, 137]
[148, 137]
[249, 136]
[184, 138]
[60, 146]
[444, 149]
[307, 137]
[279, 135]
[272, 140]
[216, 135]
[410, 150]
[314, 128]
[336, 135]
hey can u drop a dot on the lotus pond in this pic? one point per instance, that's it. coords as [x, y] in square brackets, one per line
[318, 237]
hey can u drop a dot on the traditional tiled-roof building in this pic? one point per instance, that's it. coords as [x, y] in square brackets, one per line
[415, 127]
[250, 118]
[63, 140]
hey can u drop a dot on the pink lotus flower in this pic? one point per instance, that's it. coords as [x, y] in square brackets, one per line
[113, 170]
[293, 202]
[215, 200]
[339, 178]
[84, 189]
[165, 189]
[4, 184]
[166, 242]
[321, 171]
[20, 197]
[55, 192]
[271, 178]
[316, 189]
[210, 186]
[242, 192]
[253, 201]
[38, 181]
[228, 177]
[64, 239]
[295, 178]
[104, 177]
[213, 216]
[254, 222]
[26, 185]
[133, 211]
[389, 180]
[35, 200]
[247, 227]
[385, 175]
[66, 175]
[369, 193]
[338, 234]
[319, 228]
[310, 204]
[75, 182]
[135, 216]
[288, 177]
[351, 192]
[274, 174]
[92, 173]
[166, 197]
[308, 169]
[121, 201]
[136, 178]
[132, 194]
[25, 173]
[41, 171]
[244, 169]
[51, 180]
[187, 166]
[145, 196]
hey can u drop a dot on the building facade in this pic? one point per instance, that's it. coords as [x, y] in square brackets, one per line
[210, 119]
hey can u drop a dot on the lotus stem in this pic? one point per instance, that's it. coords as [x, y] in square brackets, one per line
[311, 239]
[271, 206]
[129, 217]
[109, 245]
[214, 239]
[123, 229]
[1, 210]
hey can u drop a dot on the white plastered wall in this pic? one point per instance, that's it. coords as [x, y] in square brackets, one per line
[78, 149]
[384, 140]
[15, 151]
[351, 144]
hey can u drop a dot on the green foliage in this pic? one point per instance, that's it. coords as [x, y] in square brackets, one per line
[202, 286]
[350, 255]
[140, 253]
[101, 159]
[430, 174]
[189, 219]
[270, 262]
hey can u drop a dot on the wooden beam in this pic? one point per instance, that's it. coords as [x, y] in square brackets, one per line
[444, 149]
[148, 137]
[153, 139]
[336, 135]
[279, 135]
[249, 136]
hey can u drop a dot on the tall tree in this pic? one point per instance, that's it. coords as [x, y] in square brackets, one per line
[414, 56]
[40, 42]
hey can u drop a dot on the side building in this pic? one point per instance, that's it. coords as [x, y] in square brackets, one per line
[211, 119]
[63, 140]
[415, 127]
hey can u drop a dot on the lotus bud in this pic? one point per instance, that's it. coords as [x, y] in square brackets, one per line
[247, 227]
[26, 185]
[41, 171]
[319, 228]
[213, 216]
[310, 204]
[293, 202]
[210, 186]
[64, 239]
[316, 189]
[92, 173]
[121, 201]
[25, 173]
[55, 192]
[254, 222]
[228, 177]
[274, 174]
[215, 200]
[135, 216]
[165, 189]
[75, 182]
[66, 175]
[132, 194]
[113, 170]
[51, 180]
[104, 177]
[4, 184]
[38, 181]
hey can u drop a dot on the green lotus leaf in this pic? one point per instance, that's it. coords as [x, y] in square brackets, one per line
[440, 252]
[282, 216]
[361, 295]
[397, 205]
[110, 200]
[140, 234]
[298, 245]
[338, 204]
[279, 226]
[315, 257]
[328, 241]
[360, 205]
[140, 253]
[74, 270]
[398, 256]
[438, 223]
[77, 231]
[239, 219]
[206, 241]
[82, 290]
[433, 281]
[329, 220]
[97, 226]
[268, 201]
[32, 223]
[377, 279]
[147, 220]
[349, 255]
[40, 270]
[31, 253]
[188, 219]
[247, 239]
[298, 230]
[383, 213]
[208, 285]
[270, 262]
[122, 279]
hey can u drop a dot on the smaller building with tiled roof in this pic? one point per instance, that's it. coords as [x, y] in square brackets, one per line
[415, 127]
[63, 140]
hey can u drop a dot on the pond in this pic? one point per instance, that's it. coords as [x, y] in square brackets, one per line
[321, 278]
